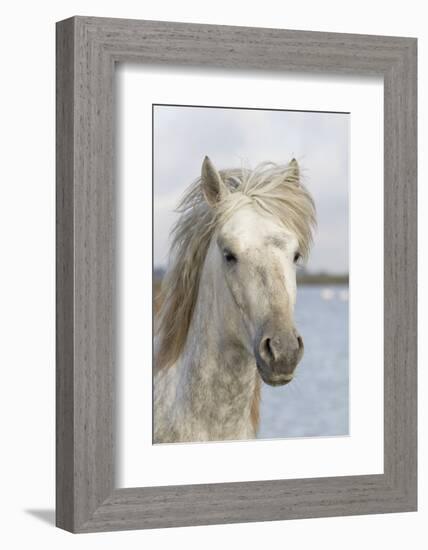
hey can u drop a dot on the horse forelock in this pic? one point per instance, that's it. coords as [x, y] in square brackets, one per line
[273, 189]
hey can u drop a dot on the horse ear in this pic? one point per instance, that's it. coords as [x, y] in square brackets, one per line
[213, 186]
[293, 172]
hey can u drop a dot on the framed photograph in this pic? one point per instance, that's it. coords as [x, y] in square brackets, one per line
[236, 274]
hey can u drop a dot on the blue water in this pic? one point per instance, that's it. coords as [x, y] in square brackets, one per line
[316, 402]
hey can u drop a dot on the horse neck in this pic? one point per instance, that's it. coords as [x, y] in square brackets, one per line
[218, 377]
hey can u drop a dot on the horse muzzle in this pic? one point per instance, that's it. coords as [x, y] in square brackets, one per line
[277, 356]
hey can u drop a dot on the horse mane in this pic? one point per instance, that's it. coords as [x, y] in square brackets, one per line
[274, 189]
[255, 406]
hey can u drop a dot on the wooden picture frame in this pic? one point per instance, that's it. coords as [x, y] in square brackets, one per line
[87, 50]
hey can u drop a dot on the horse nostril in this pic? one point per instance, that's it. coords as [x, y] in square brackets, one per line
[275, 350]
[268, 348]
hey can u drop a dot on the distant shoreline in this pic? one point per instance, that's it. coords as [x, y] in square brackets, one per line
[322, 279]
[302, 278]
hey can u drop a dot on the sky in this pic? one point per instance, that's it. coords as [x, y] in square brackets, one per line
[235, 137]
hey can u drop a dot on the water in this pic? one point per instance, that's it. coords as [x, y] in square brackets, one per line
[315, 403]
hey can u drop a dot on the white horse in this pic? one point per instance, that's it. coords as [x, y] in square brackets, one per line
[226, 316]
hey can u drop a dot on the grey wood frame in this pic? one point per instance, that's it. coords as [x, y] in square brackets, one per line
[87, 50]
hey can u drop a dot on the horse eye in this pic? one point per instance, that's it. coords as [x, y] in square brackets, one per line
[229, 256]
[297, 257]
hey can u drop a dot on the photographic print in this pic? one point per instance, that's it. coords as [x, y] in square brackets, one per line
[250, 273]
[202, 321]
